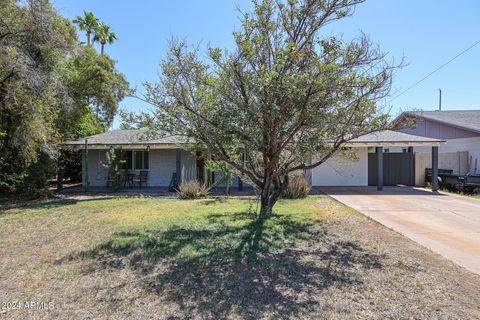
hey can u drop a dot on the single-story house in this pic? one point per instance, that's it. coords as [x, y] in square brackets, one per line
[162, 158]
[459, 128]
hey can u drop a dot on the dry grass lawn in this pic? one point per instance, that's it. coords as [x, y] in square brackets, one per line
[135, 258]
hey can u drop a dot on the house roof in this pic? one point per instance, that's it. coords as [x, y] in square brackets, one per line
[393, 138]
[130, 138]
[133, 139]
[464, 119]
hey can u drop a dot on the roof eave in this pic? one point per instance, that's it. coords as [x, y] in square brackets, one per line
[411, 114]
[135, 146]
[358, 144]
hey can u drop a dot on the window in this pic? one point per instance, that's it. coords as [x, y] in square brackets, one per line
[137, 160]
[141, 160]
[386, 150]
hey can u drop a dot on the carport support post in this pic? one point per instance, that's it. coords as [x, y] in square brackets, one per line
[434, 168]
[178, 165]
[379, 151]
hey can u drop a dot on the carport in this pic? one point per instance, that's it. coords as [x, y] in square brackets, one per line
[398, 167]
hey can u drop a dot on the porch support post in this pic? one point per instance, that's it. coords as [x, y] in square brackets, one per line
[86, 181]
[379, 151]
[434, 168]
[59, 174]
[178, 165]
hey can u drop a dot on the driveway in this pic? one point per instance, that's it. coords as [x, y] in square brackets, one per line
[447, 224]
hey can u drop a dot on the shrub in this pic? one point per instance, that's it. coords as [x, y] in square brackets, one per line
[298, 187]
[114, 164]
[192, 190]
[37, 175]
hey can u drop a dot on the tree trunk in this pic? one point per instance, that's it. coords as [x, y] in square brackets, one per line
[268, 198]
[88, 38]
[267, 202]
[103, 47]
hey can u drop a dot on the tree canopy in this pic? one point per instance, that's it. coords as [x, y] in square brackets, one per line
[51, 88]
[285, 100]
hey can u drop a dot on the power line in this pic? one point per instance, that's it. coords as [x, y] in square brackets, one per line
[434, 71]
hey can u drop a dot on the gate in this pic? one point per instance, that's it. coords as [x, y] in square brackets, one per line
[398, 168]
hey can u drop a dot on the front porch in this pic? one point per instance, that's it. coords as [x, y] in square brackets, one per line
[146, 169]
[152, 191]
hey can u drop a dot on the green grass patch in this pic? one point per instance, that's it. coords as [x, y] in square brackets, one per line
[210, 259]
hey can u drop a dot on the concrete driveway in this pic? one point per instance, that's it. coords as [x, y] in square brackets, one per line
[447, 224]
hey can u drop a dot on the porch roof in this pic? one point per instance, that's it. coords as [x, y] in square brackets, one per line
[389, 138]
[131, 139]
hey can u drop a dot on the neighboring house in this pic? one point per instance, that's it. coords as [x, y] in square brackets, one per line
[459, 128]
[166, 156]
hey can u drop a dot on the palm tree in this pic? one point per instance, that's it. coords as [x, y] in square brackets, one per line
[104, 35]
[88, 23]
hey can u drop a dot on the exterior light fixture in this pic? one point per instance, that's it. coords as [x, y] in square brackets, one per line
[148, 148]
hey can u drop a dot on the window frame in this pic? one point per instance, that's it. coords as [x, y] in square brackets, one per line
[133, 163]
[142, 162]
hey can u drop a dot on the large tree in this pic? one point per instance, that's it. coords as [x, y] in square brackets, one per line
[284, 101]
[33, 41]
[94, 84]
[49, 85]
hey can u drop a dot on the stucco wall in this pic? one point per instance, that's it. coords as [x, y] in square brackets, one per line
[456, 161]
[161, 167]
[343, 171]
[458, 140]
[470, 145]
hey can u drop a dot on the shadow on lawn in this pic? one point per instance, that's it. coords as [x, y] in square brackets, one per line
[57, 203]
[234, 265]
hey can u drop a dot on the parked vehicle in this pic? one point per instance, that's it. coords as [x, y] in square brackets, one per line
[469, 183]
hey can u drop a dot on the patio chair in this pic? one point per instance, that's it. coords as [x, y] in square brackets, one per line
[142, 178]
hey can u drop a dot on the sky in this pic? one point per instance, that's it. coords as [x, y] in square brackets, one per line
[426, 33]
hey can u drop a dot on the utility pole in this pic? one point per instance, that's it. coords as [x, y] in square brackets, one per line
[440, 100]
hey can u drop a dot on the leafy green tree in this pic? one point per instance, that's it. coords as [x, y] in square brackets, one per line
[104, 35]
[96, 87]
[88, 23]
[94, 84]
[51, 90]
[288, 97]
[33, 42]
